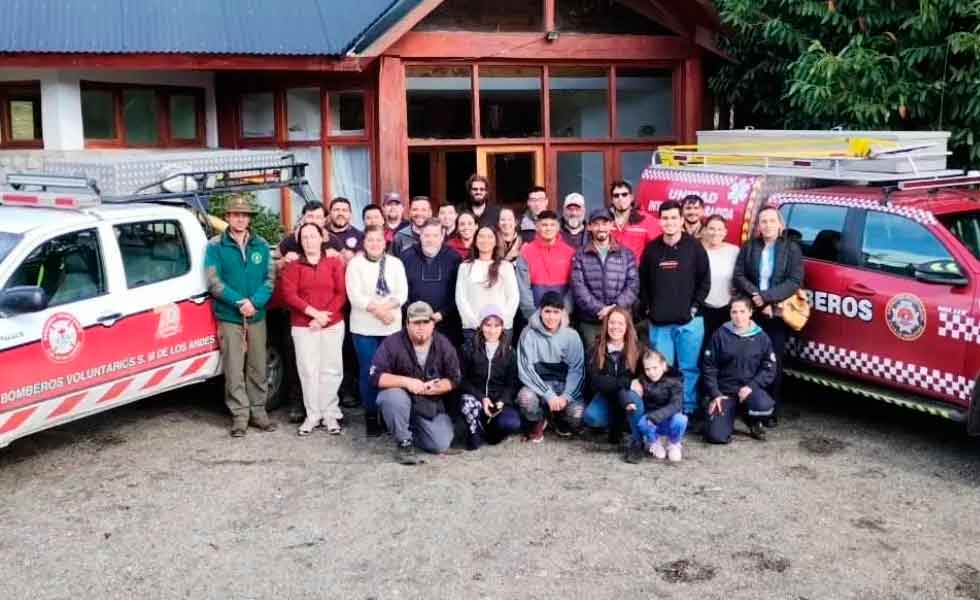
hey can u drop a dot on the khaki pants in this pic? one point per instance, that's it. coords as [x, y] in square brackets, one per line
[246, 387]
[320, 364]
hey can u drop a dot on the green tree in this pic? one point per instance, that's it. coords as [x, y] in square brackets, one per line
[265, 222]
[859, 64]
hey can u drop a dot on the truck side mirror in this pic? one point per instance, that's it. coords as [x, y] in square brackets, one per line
[23, 299]
[943, 272]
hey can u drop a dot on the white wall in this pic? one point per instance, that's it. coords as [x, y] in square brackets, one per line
[61, 103]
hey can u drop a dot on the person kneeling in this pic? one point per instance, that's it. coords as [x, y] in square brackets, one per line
[415, 370]
[550, 365]
[489, 382]
[654, 407]
[739, 364]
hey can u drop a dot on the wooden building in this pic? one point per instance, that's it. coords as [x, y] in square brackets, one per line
[377, 95]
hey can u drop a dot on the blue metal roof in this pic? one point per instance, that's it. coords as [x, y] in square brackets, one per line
[264, 27]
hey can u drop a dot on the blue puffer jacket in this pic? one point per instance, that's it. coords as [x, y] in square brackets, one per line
[596, 284]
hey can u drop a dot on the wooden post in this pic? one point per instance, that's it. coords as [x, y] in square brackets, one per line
[693, 98]
[392, 127]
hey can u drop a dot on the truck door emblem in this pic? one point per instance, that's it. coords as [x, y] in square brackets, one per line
[169, 324]
[906, 317]
[62, 337]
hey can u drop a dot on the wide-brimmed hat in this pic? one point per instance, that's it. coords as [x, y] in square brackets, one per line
[240, 204]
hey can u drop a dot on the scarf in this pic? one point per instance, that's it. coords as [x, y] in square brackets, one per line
[381, 287]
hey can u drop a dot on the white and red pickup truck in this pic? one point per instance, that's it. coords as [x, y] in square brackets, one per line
[100, 305]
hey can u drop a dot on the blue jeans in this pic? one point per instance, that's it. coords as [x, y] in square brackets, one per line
[598, 413]
[365, 346]
[681, 346]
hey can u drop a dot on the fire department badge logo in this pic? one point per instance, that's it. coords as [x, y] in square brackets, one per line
[906, 317]
[62, 337]
[169, 323]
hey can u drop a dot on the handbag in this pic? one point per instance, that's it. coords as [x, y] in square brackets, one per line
[795, 310]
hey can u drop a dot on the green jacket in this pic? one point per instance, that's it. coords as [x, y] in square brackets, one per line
[235, 276]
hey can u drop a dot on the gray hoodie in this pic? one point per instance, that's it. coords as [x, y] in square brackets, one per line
[551, 363]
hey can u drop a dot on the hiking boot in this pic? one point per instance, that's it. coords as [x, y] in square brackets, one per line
[658, 448]
[405, 453]
[634, 452]
[264, 423]
[757, 431]
[536, 434]
[674, 452]
[372, 426]
[771, 422]
[562, 429]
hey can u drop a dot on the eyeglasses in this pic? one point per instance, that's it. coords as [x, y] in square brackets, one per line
[620, 194]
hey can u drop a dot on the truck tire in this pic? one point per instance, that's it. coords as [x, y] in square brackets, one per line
[274, 369]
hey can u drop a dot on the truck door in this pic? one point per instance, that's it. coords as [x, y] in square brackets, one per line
[904, 347]
[46, 353]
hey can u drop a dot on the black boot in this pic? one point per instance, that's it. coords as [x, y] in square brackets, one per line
[372, 425]
[757, 431]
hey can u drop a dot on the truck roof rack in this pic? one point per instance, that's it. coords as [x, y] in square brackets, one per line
[859, 157]
[189, 188]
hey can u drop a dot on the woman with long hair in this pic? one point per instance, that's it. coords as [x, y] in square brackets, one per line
[489, 384]
[611, 369]
[377, 289]
[769, 269]
[486, 279]
[509, 240]
[313, 288]
[721, 256]
[462, 239]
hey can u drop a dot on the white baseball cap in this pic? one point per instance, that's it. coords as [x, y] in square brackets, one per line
[574, 198]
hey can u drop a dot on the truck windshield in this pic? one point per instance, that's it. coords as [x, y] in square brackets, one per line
[966, 227]
[7, 243]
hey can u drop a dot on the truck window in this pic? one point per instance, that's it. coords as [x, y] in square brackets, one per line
[895, 244]
[966, 227]
[152, 251]
[818, 227]
[68, 268]
[8, 241]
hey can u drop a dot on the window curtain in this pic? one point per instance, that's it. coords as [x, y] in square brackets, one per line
[350, 177]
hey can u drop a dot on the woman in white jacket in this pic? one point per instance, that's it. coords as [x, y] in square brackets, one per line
[377, 289]
[486, 279]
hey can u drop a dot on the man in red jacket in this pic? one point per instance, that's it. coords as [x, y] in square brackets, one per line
[545, 265]
[631, 228]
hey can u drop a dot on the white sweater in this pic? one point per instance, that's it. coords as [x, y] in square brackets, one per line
[362, 280]
[722, 261]
[472, 293]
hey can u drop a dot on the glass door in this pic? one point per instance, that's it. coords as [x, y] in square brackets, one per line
[512, 171]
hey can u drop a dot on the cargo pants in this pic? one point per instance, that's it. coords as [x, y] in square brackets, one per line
[243, 357]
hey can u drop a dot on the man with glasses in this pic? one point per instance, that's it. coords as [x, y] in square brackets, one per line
[416, 369]
[537, 201]
[478, 191]
[631, 228]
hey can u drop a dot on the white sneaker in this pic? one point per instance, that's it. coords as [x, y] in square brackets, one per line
[657, 449]
[308, 426]
[674, 452]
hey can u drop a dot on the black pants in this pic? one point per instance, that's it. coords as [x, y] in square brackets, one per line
[777, 331]
[714, 318]
[719, 427]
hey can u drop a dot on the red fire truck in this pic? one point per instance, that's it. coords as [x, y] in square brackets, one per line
[891, 245]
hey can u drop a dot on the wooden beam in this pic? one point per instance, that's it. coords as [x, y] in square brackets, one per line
[182, 62]
[392, 127]
[693, 98]
[534, 46]
[656, 11]
[403, 26]
[548, 15]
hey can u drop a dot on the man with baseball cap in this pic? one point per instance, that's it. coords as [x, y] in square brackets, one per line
[573, 221]
[604, 275]
[416, 369]
[240, 278]
[393, 211]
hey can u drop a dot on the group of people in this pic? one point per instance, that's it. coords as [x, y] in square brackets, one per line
[513, 323]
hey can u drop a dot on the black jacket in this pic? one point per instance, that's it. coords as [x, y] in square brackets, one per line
[674, 280]
[484, 378]
[787, 270]
[662, 399]
[614, 376]
[396, 356]
[732, 360]
[489, 218]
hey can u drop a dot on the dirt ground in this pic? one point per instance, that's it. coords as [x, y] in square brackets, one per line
[847, 499]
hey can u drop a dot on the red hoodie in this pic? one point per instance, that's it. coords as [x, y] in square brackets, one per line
[638, 231]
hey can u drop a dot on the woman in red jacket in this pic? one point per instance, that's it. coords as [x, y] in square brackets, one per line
[313, 290]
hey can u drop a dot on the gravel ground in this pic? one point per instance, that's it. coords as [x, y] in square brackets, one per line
[847, 499]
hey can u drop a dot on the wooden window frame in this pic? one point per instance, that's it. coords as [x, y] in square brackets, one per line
[9, 89]
[162, 95]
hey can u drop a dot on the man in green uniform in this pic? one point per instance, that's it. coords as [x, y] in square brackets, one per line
[240, 278]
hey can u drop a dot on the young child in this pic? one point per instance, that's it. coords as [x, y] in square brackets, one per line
[654, 409]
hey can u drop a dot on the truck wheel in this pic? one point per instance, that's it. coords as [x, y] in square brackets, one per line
[274, 370]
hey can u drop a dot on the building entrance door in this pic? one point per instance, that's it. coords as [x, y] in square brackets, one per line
[512, 171]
